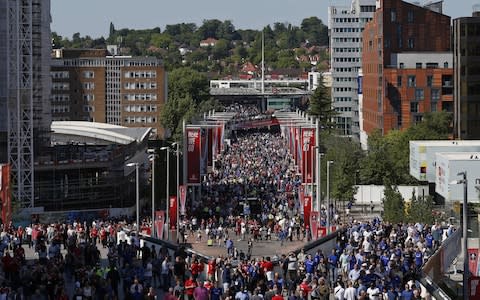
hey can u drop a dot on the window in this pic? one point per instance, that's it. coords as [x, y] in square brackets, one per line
[432, 65]
[88, 97]
[445, 65]
[433, 106]
[412, 81]
[414, 107]
[88, 74]
[399, 81]
[393, 15]
[410, 16]
[411, 43]
[429, 80]
[435, 95]
[419, 94]
[418, 65]
[88, 85]
[402, 66]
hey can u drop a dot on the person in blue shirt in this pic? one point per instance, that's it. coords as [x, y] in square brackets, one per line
[332, 265]
[309, 266]
[392, 294]
[418, 259]
[407, 293]
[429, 240]
[216, 292]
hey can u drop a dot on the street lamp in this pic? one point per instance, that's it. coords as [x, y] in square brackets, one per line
[152, 157]
[167, 210]
[178, 187]
[318, 178]
[137, 194]
[328, 195]
[466, 271]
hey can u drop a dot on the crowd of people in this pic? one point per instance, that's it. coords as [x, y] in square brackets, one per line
[370, 260]
[244, 112]
[252, 194]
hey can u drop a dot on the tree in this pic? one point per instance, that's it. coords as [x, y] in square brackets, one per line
[174, 112]
[315, 31]
[112, 30]
[321, 106]
[393, 205]
[346, 155]
[184, 82]
[420, 209]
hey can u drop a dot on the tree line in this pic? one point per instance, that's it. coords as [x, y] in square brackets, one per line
[234, 46]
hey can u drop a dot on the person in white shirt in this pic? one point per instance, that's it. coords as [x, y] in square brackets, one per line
[339, 291]
[373, 292]
[354, 273]
[350, 292]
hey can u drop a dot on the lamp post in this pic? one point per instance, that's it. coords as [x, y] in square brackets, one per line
[137, 194]
[466, 271]
[153, 194]
[167, 220]
[328, 195]
[178, 189]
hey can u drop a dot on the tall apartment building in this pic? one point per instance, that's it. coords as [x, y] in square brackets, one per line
[25, 46]
[92, 85]
[407, 65]
[346, 24]
[467, 76]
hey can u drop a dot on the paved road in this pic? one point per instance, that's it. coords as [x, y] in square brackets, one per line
[259, 249]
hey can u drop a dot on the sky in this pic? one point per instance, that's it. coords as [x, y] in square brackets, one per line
[93, 17]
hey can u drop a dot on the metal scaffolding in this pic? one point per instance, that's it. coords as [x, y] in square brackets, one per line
[28, 54]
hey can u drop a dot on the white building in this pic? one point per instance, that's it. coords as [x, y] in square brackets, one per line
[448, 167]
[345, 26]
[423, 159]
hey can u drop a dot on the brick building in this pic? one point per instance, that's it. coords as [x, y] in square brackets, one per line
[406, 64]
[92, 85]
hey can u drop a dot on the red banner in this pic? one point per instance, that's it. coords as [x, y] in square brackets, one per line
[159, 222]
[296, 152]
[474, 287]
[307, 208]
[219, 134]
[5, 196]
[308, 144]
[183, 198]
[193, 155]
[173, 212]
[322, 231]
[314, 222]
[301, 195]
[210, 131]
[473, 260]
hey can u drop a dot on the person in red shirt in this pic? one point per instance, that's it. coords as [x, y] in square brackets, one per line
[211, 269]
[190, 285]
[268, 268]
[278, 295]
[94, 235]
[196, 268]
[208, 285]
[304, 289]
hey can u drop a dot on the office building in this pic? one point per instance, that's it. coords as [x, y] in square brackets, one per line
[93, 85]
[407, 65]
[346, 24]
[466, 34]
[25, 46]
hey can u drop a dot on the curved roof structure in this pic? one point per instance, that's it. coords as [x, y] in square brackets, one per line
[101, 131]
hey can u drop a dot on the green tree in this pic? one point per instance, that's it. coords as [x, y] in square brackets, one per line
[315, 31]
[174, 112]
[112, 30]
[184, 82]
[346, 155]
[420, 209]
[321, 107]
[393, 205]
[221, 49]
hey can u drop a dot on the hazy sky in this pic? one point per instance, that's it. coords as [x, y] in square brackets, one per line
[92, 17]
